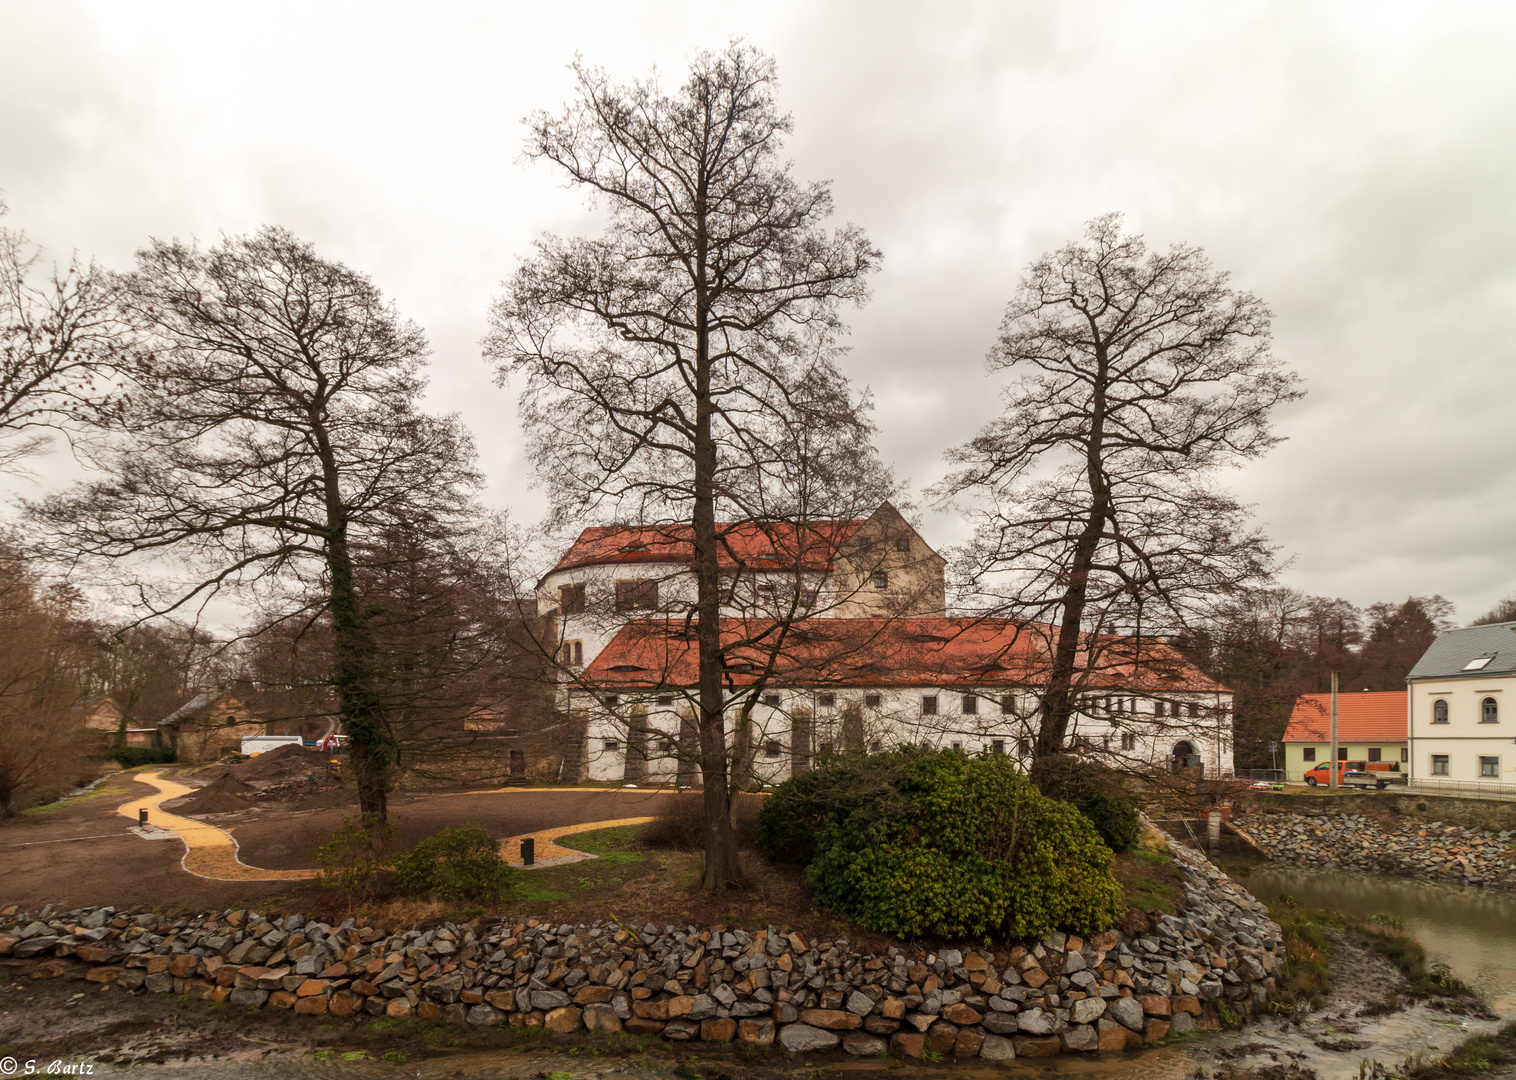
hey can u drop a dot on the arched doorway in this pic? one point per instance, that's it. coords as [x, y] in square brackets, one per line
[1183, 756]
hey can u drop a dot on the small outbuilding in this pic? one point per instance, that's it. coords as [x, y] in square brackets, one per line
[207, 726]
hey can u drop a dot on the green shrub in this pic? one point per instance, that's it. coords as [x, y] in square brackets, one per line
[130, 757]
[795, 814]
[456, 864]
[355, 856]
[948, 845]
[1097, 792]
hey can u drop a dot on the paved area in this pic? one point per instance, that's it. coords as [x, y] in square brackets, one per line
[546, 852]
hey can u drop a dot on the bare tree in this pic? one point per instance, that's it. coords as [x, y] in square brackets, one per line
[58, 341]
[1136, 377]
[1505, 611]
[272, 426]
[41, 743]
[672, 365]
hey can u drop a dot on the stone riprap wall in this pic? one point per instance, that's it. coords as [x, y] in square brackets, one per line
[1062, 994]
[1429, 850]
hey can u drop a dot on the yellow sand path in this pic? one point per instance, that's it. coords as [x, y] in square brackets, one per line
[549, 853]
[209, 852]
[213, 853]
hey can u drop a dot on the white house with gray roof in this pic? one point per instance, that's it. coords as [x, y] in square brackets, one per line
[1462, 709]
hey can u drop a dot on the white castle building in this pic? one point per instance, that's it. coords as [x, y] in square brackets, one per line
[845, 625]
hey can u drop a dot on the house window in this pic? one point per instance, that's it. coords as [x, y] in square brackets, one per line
[997, 746]
[1308, 754]
[1478, 663]
[573, 653]
[826, 701]
[1192, 710]
[1158, 708]
[1007, 704]
[970, 705]
[612, 744]
[1405, 753]
[1440, 711]
[1489, 711]
[772, 749]
[881, 580]
[929, 705]
[871, 701]
[1374, 753]
[1342, 753]
[772, 700]
[611, 701]
[1024, 747]
[1489, 768]
[1439, 764]
[636, 595]
[665, 699]
[876, 746]
[957, 746]
[1128, 741]
[903, 544]
[824, 750]
[571, 599]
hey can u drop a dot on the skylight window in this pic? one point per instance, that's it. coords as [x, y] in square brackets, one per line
[1478, 662]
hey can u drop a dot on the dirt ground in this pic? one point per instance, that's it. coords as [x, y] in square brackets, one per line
[83, 854]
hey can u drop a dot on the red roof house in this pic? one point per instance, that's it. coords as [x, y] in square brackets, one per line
[1362, 717]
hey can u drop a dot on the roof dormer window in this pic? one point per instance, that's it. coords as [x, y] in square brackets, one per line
[1479, 662]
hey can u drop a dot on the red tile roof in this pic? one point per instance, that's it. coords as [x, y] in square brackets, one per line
[885, 652]
[1362, 716]
[780, 544]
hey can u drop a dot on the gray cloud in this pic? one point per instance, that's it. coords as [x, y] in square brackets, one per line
[1350, 164]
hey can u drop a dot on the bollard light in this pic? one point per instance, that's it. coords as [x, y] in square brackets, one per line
[528, 851]
[142, 816]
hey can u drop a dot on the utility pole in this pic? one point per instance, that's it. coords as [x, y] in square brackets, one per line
[1332, 781]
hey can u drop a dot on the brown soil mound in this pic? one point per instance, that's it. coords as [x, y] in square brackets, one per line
[222, 797]
[285, 763]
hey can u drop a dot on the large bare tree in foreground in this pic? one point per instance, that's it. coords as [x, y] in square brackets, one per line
[677, 369]
[1135, 378]
[272, 427]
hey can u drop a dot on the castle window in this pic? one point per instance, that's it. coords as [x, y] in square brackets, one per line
[636, 595]
[903, 544]
[571, 599]
[771, 700]
[772, 749]
[826, 701]
[970, 705]
[872, 701]
[929, 705]
[881, 580]
[1128, 741]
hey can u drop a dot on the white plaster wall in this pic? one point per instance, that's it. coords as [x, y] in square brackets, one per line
[1464, 739]
[898, 720]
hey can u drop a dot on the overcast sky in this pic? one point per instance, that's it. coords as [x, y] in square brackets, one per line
[1351, 164]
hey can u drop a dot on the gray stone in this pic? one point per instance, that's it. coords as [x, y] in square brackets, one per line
[860, 1003]
[804, 1039]
[1073, 962]
[682, 1029]
[1035, 1022]
[997, 1048]
[1000, 1004]
[35, 946]
[1126, 1012]
[1081, 1037]
[1180, 1023]
[1001, 1023]
[250, 999]
[549, 999]
[485, 1016]
[1086, 1010]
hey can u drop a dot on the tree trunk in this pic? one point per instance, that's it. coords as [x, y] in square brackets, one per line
[1058, 700]
[353, 671]
[721, 868]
